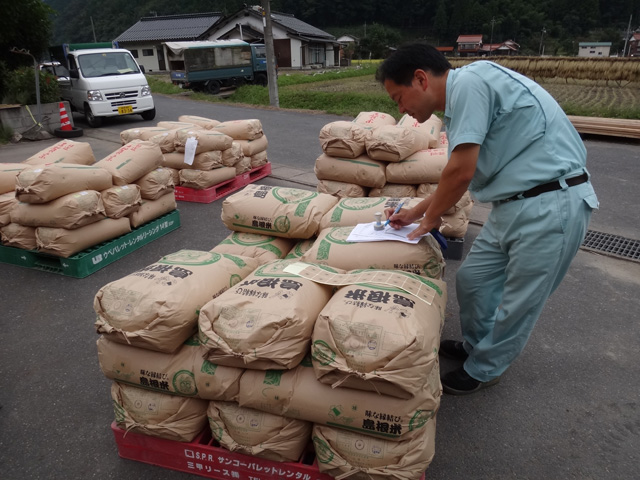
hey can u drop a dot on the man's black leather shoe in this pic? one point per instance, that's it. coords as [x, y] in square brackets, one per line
[460, 382]
[453, 349]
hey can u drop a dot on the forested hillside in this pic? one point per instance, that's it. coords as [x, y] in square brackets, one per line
[565, 22]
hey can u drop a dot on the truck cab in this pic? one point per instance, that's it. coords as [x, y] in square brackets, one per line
[106, 82]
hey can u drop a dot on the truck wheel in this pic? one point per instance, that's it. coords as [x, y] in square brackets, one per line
[149, 114]
[92, 120]
[213, 87]
[261, 79]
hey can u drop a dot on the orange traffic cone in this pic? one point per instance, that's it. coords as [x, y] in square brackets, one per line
[65, 124]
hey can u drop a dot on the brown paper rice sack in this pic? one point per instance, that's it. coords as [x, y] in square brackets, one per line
[65, 151]
[174, 160]
[204, 122]
[394, 190]
[361, 170]
[378, 337]
[165, 140]
[140, 133]
[265, 321]
[71, 211]
[345, 454]
[7, 202]
[443, 140]
[241, 129]
[297, 393]
[8, 173]
[207, 140]
[243, 166]
[169, 125]
[18, 236]
[206, 161]
[43, 183]
[156, 183]
[232, 155]
[374, 119]
[183, 372]
[343, 139]
[352, 211]
[63, 242]
[259, 159]
[456, 225]
[132, 161]
[424, 166]
[341, 189]
[425, 190]
[258, 434]
[175, 174]
[332, 249]
[157, 306]
[263, 248]
[251, 147]
[152, 209]
[201, 179]
[277, 211]
[121, 201]
[300, 248]
[393, 143]
[156, 414]
[431, 128]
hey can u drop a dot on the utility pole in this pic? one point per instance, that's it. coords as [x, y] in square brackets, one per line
[626, 37]
[541, 49]
[94, 30]
[493, 22]
[271, 64]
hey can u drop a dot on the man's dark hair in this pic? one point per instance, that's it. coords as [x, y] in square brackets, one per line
[402, 63]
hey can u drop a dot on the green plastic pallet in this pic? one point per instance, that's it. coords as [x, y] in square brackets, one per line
[84, 263]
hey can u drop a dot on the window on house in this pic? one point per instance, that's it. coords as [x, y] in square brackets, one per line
[134, 53]
[147, 52]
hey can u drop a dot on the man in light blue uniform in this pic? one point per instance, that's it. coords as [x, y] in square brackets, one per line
[510, 144]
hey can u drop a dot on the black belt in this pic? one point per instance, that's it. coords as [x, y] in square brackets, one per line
[547, 187]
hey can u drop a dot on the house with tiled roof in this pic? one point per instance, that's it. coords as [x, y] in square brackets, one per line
[469, 45]
[634, 45]
[296, 43]
[145, 39]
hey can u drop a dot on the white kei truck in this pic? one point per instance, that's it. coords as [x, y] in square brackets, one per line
[106, 82]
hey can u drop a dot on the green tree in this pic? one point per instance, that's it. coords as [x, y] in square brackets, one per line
[24, 24]
[378, 40]
[440, 22]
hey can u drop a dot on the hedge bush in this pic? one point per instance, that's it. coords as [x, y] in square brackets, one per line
[20, 87]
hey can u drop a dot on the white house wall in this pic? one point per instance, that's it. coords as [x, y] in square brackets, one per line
[150, 63]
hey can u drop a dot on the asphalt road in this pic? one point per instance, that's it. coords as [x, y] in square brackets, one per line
[568, 408]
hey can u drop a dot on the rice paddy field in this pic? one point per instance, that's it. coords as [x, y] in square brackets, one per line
[584, 87]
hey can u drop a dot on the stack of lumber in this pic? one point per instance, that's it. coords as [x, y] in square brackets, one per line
[617, 127]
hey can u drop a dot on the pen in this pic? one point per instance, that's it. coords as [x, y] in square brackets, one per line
[395, 211]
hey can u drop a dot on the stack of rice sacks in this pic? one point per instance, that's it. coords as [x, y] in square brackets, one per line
[66, 202]
[162, 384]
[375, 156]
[371, 388]
[223, 150]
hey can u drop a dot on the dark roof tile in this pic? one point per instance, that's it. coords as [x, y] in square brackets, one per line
[171, 27]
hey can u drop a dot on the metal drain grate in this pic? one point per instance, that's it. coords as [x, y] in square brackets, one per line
[612, 244]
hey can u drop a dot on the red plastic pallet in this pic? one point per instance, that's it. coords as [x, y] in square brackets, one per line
[203, 457]
[222, 189]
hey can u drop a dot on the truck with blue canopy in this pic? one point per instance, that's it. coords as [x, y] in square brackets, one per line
[210, 65]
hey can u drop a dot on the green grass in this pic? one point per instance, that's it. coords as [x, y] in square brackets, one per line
[349, 91]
